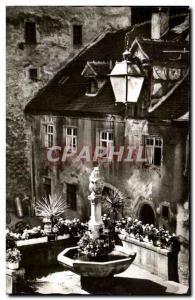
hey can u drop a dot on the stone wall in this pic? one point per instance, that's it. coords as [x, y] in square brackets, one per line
[139, 183]
[183, 228]
[53, 48]
[160, 262]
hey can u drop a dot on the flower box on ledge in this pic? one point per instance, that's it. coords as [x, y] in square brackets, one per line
[158, 261]
[40, 240]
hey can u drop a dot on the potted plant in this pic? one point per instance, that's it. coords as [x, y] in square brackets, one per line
[50, 209]
[13, 257]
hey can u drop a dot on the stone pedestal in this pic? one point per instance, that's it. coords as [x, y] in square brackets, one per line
[12, 278]
[95, 222]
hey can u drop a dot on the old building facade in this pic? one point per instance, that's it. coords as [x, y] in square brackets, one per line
[39, 40]
[79, 110]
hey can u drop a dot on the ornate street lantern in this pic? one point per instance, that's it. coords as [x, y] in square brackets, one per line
[127, 78]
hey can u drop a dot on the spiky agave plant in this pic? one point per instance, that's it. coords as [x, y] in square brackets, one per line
[114, 203]
[50, 207]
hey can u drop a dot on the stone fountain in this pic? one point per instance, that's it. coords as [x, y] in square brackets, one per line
[117, 261]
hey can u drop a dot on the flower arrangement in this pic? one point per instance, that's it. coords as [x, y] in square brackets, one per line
[32, 233]
[73, 227]
[159, 237]
[11, 238]
[93, 248]
[13, 255]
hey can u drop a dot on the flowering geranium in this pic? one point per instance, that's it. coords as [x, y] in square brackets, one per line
[34, 232]
[148, 233]
[73, 227]
[11, 239]
[92, 248]
[13, 255]
[77, 228]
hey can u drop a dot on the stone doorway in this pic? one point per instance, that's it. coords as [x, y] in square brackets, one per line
[147, 214]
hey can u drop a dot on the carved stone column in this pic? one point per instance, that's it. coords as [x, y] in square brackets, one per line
[95, 198]
[95, 222]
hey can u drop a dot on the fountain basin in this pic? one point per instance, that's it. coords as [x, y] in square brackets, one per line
[115, 262]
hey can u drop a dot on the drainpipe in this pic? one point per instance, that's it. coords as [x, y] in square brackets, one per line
[33, 193]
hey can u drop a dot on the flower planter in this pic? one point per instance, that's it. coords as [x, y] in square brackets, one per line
[158, 261]
[40, 240]
[63, 237]
[31, 241]
[13, 265]
[47, 225]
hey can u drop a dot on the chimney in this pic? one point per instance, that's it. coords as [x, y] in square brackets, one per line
[159, 23]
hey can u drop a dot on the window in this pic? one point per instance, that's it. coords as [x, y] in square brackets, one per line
[153, 146]
[165, 211]
[77, 35]
[33, 74]
[30, 33]
[71, 139]
[92, 86]
[48, 135]
[106, 141]
[46, 187]
[71, 196]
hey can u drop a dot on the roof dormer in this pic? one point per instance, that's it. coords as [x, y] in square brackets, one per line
[96, 74]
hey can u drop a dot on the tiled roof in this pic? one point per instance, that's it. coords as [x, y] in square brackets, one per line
[65, 94]
[57, 95]
[164, 52]
[101, 105]
[176, 105]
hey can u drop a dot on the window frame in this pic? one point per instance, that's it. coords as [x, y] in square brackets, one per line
[152, 146]
[49, 135]
[106, 140]
[73, 137]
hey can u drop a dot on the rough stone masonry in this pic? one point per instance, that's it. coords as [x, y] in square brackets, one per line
[30, 65]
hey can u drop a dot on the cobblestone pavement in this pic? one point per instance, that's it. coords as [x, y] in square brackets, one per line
[134, 281]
